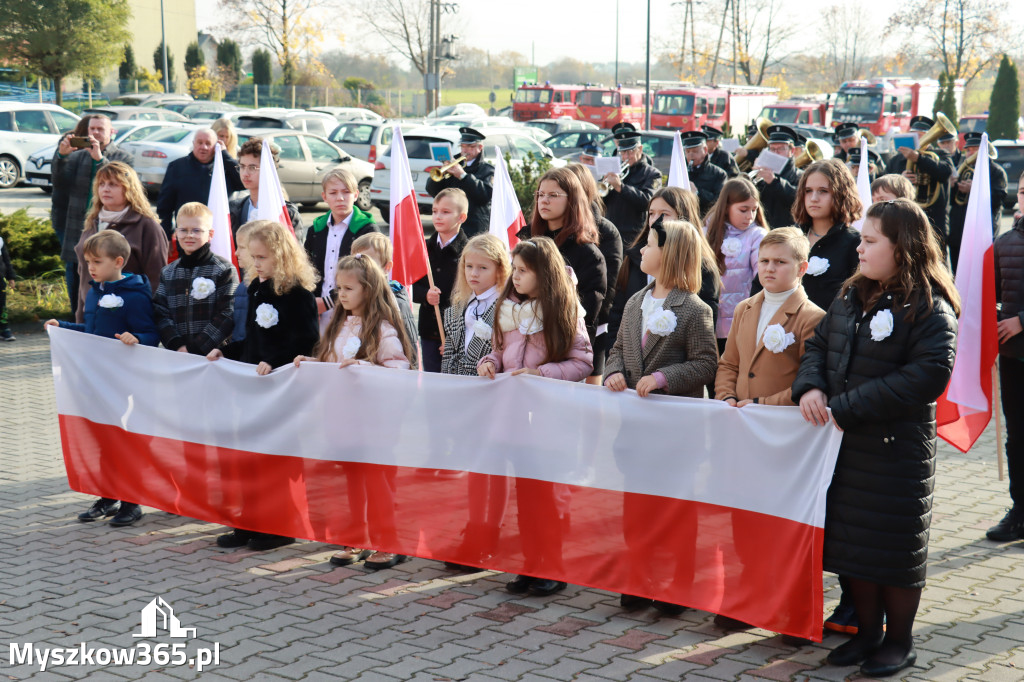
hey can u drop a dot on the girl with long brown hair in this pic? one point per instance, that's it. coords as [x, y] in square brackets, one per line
[119, 203]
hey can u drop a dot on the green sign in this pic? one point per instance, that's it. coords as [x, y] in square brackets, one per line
[523, 74]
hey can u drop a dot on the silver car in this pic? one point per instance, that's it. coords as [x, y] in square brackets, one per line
[350, 113]
[133, 113]
[304, 161]
[363, 139]
[152, 154]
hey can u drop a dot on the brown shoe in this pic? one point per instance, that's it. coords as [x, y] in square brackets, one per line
[350, 555]
[381, 560]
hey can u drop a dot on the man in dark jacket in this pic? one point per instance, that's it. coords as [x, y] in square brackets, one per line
[962, 190]
[705, 177]
[72, 174]
[629, 196]
[242, 209]
[847, 136]
[717, 155]
[188, 179]
[779, 191]
[474, 177]
[937, 165]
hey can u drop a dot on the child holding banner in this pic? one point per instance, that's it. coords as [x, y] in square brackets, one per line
[875, 366]
[281, 323]
[378, 247]
[540, 330]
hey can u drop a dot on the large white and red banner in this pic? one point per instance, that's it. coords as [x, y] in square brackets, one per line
[688, 501]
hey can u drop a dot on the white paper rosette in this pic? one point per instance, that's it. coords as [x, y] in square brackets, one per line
[881, 325]
[350, 348]
[661, 323]
[731, 247]
[776, 339]
[266, 315]
[202, 287]
[111, 301]
[817, 266]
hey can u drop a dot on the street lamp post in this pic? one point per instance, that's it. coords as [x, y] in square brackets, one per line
[163, 42]
[647, 74]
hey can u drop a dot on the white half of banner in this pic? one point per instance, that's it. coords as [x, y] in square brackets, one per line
[524, 474]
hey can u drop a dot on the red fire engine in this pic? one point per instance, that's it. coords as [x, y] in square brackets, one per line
[881, 104]
[605, 107]
[689, 107]
[544, 101]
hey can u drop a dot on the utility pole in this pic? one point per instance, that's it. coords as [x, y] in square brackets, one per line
[718, 48]
[163, 41]
[616, 42]
[647, 73]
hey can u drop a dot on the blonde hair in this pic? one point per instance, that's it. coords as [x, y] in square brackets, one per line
[456, 196]
[379, 306]
[793, 237]
[896, 185]
[378, 243]
[342, 175]
[108, 243]
[134, 194]
[491, 248]
[226, 124]
[194, 209]
[681, 256]
[291, 264]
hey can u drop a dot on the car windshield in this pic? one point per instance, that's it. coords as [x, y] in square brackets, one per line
[173, 135]
[673, 104]
[549, 126]
[533, 96]
[858, 103]
[419, 147]
[442, 111]
[259, 122]
[598, 98]
[973, 125]
[781, 114]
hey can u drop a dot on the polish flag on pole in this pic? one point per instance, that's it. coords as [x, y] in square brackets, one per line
[271, 205]
[863, 182]
[411, 262]
[678, 176]
[506, 214]
[965, 409]
[222, 242]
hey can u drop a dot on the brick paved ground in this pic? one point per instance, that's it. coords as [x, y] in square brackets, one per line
[288, 615]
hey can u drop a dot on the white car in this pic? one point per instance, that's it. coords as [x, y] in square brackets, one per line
[38, 171]
[350, 113]
[511, 141]
[24, 128]
[152, 154]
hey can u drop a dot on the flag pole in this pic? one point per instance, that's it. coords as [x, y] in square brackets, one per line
[437, 308]
[997, 408]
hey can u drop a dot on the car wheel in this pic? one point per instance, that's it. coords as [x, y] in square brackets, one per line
[10, 172]
[363, 202]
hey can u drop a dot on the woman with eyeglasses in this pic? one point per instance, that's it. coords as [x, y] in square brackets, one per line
[561, 211]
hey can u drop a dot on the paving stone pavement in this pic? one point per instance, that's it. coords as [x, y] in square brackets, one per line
[289, 615]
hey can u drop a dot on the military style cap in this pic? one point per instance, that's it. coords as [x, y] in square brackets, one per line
[921, 123]
[470, 136]
[693, 138]
[845, 130]
[712, 133]
[781, 133]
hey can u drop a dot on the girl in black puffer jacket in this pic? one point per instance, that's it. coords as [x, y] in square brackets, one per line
[879, 359]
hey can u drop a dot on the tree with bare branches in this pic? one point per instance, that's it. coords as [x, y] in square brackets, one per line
[404, 25]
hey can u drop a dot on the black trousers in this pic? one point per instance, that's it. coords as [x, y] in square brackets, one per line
[1011, 385]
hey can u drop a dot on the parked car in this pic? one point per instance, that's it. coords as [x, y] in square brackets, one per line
[464, 109]
[1011, 158]
[363, 139]
[656, 143]
[564, 144]
[190, 109]
[417, 144]
[350, 113]
[207, 116]
[134, 113]
[560, 125]
[38, 170]
[24, 128]
[306, 158]
[152, 154]
[150, 99]
[294, 119]
[474, 122]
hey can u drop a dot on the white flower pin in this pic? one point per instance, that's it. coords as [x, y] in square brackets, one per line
[731, 247]
[111, 301]
[817, 266]
[351, 347]
[482, 330]
[202, 287]
[266, 315]
[661, 323]
[881, 325]
[777, 339]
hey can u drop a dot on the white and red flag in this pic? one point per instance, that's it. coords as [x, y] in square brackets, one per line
[506, 213]
[222, 242]
[965, 409]
[411, 263]
[688, 501]
[678, 174]
[271, 206]
[863, 183]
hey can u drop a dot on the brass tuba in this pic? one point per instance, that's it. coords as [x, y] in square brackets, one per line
[966, 172]
[868, 135]
[813, 151]
[928, 188]
[755, 143]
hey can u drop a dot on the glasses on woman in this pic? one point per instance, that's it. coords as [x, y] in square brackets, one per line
[541, 196]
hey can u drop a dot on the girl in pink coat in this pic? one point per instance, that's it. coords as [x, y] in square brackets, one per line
[539, 329]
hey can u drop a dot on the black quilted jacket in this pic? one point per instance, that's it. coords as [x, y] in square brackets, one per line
[1009, 267]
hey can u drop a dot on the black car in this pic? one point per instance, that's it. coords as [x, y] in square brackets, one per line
[1011, 158]
[657, 144]
[573, 141]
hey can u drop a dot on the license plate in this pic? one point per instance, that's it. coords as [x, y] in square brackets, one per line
[38, 181]
[595, 116]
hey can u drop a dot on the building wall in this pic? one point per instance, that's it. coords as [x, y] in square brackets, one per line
[180, 25]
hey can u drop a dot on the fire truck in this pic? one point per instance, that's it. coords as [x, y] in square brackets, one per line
[688, 107]
[544, 101]
[815, 110]
[605, 107]
[888, 103]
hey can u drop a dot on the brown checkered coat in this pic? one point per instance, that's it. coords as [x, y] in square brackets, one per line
[688, 357]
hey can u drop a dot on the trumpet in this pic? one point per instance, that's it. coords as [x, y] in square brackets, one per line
[438, 174]
[603, 187]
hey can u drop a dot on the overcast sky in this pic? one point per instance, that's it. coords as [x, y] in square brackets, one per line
[582, 30]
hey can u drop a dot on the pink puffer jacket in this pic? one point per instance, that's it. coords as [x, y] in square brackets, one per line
[528, 350]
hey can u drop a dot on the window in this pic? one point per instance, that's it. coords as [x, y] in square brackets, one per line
[558, 96]
[628, 101]
[32, 122]
[6, 121]
[815, 117]
[291, 150]
[533, 96]
[314, 125]
[564, 141]
[598, 98]
[720, 106]
[386, 134]
[354, 133]
[320, 150]
[172, 135]
[526, 146]
[139, 134]
[64, 122]
[907, 103]
[859, 103]
[673, 104]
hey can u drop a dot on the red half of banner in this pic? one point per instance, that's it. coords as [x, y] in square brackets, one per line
[760, 569]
